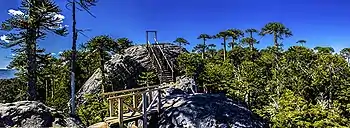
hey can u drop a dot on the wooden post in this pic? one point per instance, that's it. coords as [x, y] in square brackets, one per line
[149, 95]
[111, 109]
[134, 104]
[120, 112]
[159, 101]
[144, 109]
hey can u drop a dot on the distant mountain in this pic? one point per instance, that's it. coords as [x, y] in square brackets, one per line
[7, 73]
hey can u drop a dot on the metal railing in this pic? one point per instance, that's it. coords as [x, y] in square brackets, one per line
[152, 52]
[166, 59]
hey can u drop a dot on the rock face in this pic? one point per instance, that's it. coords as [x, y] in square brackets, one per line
[123, 70]
[34, 114]
[205, 111]
[186, 84]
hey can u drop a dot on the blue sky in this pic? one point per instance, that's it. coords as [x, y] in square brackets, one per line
[319, 22]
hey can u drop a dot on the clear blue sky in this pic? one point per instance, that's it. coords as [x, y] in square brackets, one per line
[320, 22]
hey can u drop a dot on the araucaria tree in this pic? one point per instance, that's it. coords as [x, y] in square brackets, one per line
[223, 35]
[235, 34]
[302, 42]
[181, 41]
[27, 25]
[346, 54]
[100, 45]
[205, 37]
[250, 40]
[278, 30]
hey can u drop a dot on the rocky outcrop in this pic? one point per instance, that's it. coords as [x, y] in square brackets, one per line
[123, 70]
[34, 114]
[205, 111]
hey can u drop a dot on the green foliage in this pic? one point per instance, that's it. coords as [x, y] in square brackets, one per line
[147, 78]
[324, 50]
[181, 41]
[12, 90]
[294, 88]
[93, 111]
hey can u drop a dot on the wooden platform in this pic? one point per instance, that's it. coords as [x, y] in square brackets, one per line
[121, 112]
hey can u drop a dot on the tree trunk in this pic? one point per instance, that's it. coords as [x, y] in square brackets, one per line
[251, 45]
[224, 48]
[31, 52]
[275, 39]
[31, 68]
[102, 66]
[75, 34]
[203, 51]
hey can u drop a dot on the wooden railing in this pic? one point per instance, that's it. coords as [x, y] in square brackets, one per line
[120, 111]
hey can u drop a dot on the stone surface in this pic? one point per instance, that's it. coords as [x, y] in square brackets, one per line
[124, 69]
[206, 111]
[34, 114]
[186, 84]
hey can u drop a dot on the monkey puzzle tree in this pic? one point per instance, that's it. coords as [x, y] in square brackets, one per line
[31, 22]
[223, 35]
[346, 54]
[251, 31]
[101, 45]
[278, 30]
[205, 37]
[324, 50]
[124, 43]
[301, 42]
[181, 41]
[249, 40]
[212, 49]
[235, 34]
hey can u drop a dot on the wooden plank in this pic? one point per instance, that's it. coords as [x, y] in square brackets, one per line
[129, 90]
[150, 105]
[134, 104]
[111, 107]
[144, 109]
[132, 108]
[120, 113]
[136, 93]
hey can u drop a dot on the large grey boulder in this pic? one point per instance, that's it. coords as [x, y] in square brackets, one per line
[206, 111]
[34, 114]
[123, 70]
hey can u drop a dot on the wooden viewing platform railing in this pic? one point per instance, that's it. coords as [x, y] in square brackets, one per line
[121, 111]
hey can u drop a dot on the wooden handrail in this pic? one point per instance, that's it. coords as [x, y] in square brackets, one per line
[166, 59]
[130, 90]
[137, 93]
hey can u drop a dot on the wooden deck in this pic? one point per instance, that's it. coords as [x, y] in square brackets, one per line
[133, 104]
